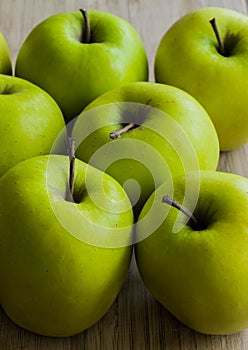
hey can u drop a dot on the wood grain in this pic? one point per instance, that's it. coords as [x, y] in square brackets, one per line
[136, 320]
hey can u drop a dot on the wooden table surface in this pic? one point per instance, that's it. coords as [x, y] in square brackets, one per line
[136, 320]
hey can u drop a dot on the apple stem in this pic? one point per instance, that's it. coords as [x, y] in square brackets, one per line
[122, 131]
[71, 142]
[218, 37]
[172, 202]
[87, 33]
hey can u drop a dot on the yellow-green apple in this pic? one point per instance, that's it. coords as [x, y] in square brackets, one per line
[199, 271]
[166, 132]
[5, 59]
[208, 60]
[76, 57]
[62, 261]
[30, 121]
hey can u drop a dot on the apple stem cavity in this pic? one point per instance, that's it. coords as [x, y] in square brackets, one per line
[173, 203]
[115, 134]
[87, 33]
[221, 48]
[71, 143]
[7, 90]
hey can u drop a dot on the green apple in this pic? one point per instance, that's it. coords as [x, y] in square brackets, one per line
[76, 63]
[30, 121]
[62, 262]
[198, 269]
[215, 72]
[171, 134]
[5, 59]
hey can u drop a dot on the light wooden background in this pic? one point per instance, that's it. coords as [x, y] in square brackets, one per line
[136, 320]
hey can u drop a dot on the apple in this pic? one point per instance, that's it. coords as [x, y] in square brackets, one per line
[196, 265]
[62, 261]
[5, 59]
[190, 56]
[170, 133]
[77, 56]
[30, 121]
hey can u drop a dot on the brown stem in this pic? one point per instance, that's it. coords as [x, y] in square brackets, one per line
[170, 201]
[71, 143]
[218, 37]
[87, 33]
[121, 131]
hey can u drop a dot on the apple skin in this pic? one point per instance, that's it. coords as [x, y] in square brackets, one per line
[53, 283]
[5, 59]
[30, 121]
[75, 73]
[201, 277]
[187, 57]
[176, 127]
